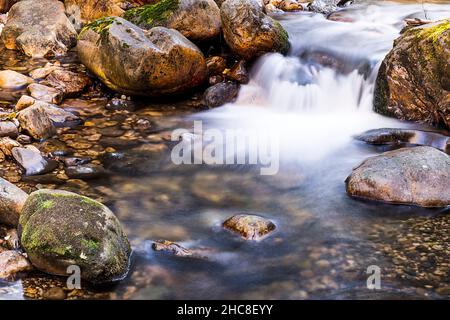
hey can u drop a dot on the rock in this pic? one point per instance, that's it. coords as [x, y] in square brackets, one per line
[216, 65]
[290, 5]
[249, 32]
[7, 144]
[220, 94]
[12, 200]
[72, 161]
[12, 262]
[55, 293]
[156, 62]
[238, 73]
[39, 28]
[215, 80]
[24, 139]
[32, 161]
[12, 80]
[89, 10]
[117, 104]
[5, 5]
[40, 120]
[325, 6]
[196, 20]
[414, 79]
[24, 102]
[69, 83]
[44, 93]
[88, 234]
[43, 72]
[12, 239]
[175, 249]
[8, 129]
[249, 227]
[419, 176]
[88, 171]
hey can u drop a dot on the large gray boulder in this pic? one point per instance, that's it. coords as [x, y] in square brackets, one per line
[196, 19]
[249, 32]
[39, 28]
[419, 176]
[58, 229]
[12, 200]
[127, 59]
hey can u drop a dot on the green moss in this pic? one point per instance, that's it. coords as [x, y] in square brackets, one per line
[46, 204]
[99, 26]
[152, 15]
[431, 32]
[90, 244]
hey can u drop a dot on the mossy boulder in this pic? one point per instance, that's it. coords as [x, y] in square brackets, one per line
[59, 228]
[249, 32]
[127, 59]
[418, 176]
[197, 20]
[414, 79]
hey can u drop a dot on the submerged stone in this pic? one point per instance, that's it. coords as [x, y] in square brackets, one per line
[250, 227]
[88, 234]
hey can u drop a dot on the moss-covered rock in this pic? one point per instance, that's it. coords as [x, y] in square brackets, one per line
[130, 60]
[59, 228]
[195, 19]
[249, 32]
[414, 79]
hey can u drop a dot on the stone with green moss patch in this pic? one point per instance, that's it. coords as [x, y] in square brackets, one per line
[152, 15]
[414, 79]
[59, 228]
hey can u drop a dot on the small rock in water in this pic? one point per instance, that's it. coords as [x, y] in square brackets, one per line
[220, 94]
[238, 73]
[385, 135]
[250, 227]
[44, 93]
[24, 102]
[8, 129]
[12, 80]
[419, 176]
[23, 139]
[73, 161]
[69, 83]
[88, 171]
[120, 104]
[32, 161]
[41, 73]
[7, 144]
[12, 200]
[88, 234]
[216, 65]
[55, 293]
[12, 262]
[171, 247]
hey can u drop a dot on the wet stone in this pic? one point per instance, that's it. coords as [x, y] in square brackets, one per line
[32, 161]
[55, 293]
[117, 104]
[44, 93]
[8, 129]
[88, 171]
[250, 227]
[12, 262]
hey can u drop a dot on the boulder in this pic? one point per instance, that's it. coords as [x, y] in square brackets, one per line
[196, 19]
[39, 28]
[12, 80]
[89, 10]
[130, 60]
[249, 227]
[249, 32]
[220, 94]
[12, 200]
[88, 235]
[418, 176]
[414, 79]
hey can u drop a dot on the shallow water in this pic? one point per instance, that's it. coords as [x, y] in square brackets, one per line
[324, 241]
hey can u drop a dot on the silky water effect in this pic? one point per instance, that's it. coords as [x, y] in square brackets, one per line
[314, 100]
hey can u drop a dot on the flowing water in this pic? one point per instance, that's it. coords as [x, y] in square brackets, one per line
[309, 104]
